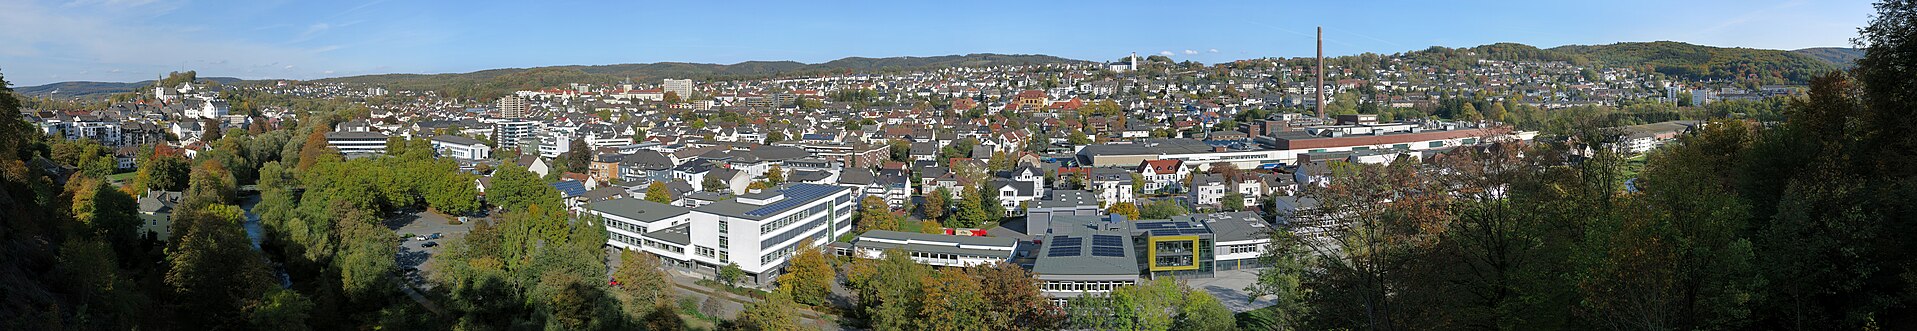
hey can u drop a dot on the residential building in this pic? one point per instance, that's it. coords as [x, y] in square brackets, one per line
[680, 87]
[1163, 175]
[514, 107]
[357, 143]
[461, 147]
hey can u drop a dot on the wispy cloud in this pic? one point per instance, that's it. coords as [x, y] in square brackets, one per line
[1191, 52]
[1166, 53]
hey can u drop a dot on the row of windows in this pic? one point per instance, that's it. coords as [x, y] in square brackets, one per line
[788, 250]
[794, 232]
[1242, 248]
[1085, 286]
[794, 218]
[655, 244]
[622, 225]
[629, 240]
[945, 256]
[1173, 261]
[704, 251]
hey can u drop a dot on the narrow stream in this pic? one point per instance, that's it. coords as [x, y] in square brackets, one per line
[257, 233]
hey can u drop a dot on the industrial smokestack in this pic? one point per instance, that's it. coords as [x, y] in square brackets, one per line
[1320, 88]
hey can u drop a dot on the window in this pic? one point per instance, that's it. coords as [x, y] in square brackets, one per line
[1361, 148]
[1316, 150]
[1436, 144]
[704, 251]
[1469, 141]
[1401, 146]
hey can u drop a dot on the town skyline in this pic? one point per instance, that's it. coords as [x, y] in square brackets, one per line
[88, 40]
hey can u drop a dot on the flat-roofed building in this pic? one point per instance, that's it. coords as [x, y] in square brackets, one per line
[461, 147]
[357, 142]
[934, 249]
[1085, 261]
[758, 231]
[1238, 238]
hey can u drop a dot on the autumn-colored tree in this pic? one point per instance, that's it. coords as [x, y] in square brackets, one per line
[213, 271]
[936, 204]
[809, 276]
[1014, 300]
[314, 150]
[950, 300]
[642, 282]
[777, 312]
[1127, 209]
[875, 214]
[656, 192]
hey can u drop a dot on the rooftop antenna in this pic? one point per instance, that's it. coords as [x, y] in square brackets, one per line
[1321, 73]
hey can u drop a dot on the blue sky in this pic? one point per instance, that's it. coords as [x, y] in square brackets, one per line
[129, 40]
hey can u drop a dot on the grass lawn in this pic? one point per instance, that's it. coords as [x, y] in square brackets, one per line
[122, 177]
[1634, 165]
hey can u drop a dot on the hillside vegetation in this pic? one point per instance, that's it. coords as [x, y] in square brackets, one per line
[1705, 62]
[1841, 57]
[492, 83]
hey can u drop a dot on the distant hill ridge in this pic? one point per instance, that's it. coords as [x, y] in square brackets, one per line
[83, 89]
[1843, 57]
[1689, 61]
[487, 83]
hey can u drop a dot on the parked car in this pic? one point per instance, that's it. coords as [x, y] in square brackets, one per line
[434, 236]
[429, 244]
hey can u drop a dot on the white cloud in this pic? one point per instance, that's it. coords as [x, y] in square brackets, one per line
[1214, 50]
[1166, 53]
[1191, 52]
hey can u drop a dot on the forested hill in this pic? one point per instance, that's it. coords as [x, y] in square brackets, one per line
[1840, 56]
[1705, 62]
[495, 82]
[87, 90]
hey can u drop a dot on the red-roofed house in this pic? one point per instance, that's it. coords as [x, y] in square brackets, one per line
[1160, 174]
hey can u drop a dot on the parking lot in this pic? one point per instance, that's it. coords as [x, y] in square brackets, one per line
[413, 252]
[1229, 287]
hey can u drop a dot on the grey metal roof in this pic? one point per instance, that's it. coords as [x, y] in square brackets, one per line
[740, 209]
[1149, 147]
[639, 209]
[1086, 265]
[678, 234]
[457, 140]
[1067, 199]
[935, 243]
[1235, 226]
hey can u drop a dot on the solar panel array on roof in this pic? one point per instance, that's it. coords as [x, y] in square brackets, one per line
[795, 195]
[1165, 232]
[1108, 251]
[1107, 240]
[1063, 251]
[570, 188]
[1067, 241]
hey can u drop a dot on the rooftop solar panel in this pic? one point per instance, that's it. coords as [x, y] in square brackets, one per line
[1063, 251]
[1108, 251]
[1165, 232]
[1068, 241]
[795, 195]
[1107, 240]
